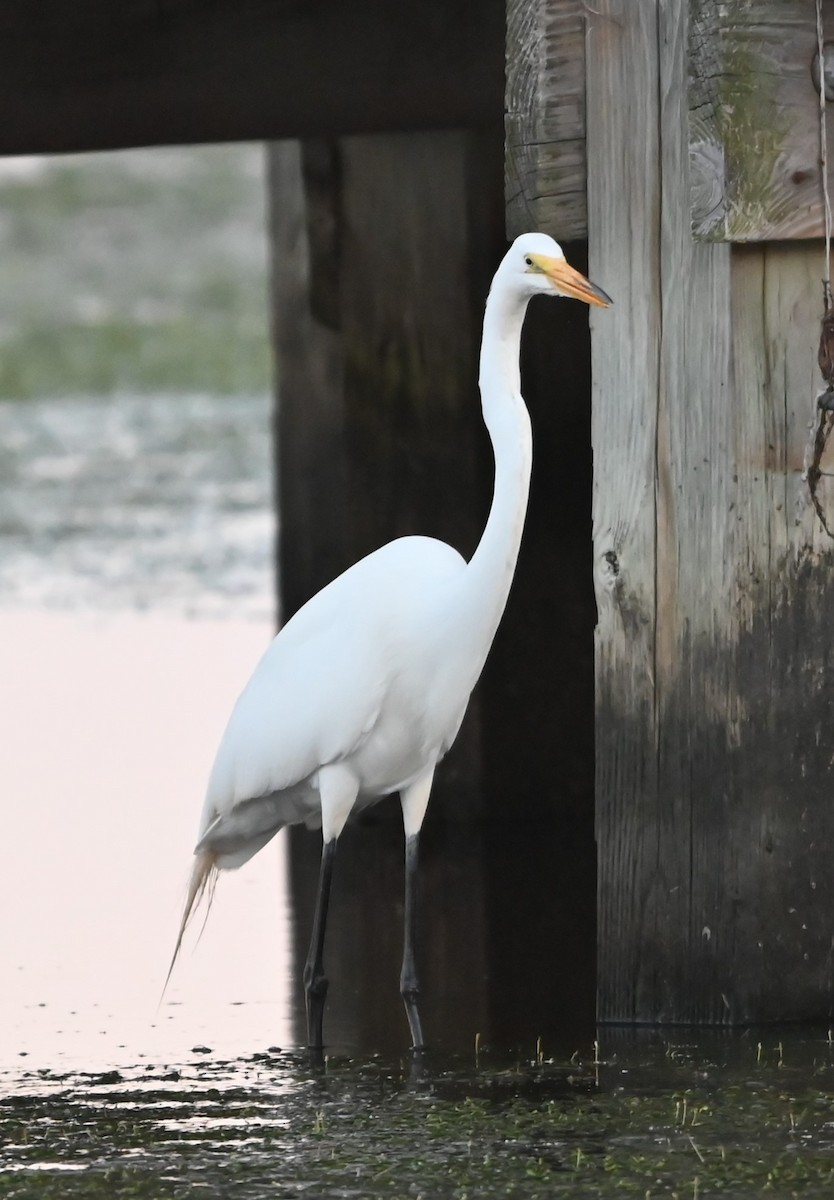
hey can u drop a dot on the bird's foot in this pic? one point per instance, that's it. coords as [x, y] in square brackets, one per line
[315, 994]
[410, 993]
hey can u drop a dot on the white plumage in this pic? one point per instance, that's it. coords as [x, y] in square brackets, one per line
[363, 691]
[357, 677]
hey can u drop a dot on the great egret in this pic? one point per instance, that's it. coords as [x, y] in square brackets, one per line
[363, 691]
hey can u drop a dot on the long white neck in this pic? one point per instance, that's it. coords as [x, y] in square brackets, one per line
[490, 571]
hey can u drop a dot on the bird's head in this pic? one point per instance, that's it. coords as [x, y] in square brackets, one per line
[536, 264]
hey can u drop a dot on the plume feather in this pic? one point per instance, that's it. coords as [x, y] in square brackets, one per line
[201, 885]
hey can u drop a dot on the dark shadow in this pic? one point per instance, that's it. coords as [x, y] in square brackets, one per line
[538, 686]
[364, 940]
[537, 698]
[501, 951]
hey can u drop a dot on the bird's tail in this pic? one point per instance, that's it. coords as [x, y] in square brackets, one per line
[201, 885]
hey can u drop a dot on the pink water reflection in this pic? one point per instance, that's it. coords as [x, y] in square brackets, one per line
[108, 726]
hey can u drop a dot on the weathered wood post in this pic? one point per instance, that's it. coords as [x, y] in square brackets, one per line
[714, 674]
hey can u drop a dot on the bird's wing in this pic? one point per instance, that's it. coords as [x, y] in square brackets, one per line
[319, 689]
[310, 702]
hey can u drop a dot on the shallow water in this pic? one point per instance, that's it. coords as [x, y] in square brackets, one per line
[110, 713]
[136, 593]
[119, 504]
[686, 1116]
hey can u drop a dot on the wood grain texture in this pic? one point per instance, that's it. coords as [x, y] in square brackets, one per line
[623, 216]
[545, 118]
[772, 856]
[754, 120]
[714, 671]
[694, 568]
[311, 483]
[94, 75]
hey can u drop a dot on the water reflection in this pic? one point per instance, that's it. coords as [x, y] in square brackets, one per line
[109, 725]
[695, 1114]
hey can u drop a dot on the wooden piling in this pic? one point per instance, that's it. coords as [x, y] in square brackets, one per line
[714, 584]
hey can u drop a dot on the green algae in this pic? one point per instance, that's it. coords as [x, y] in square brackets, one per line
[736, 103]
[733, 1117]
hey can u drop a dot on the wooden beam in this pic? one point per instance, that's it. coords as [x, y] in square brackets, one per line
[754, 120]
[545, 117]
[95, 75]
[684, 975]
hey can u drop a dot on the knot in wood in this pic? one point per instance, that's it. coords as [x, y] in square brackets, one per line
[613, 562]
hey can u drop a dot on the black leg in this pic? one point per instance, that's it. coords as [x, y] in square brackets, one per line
[409, 987]
[315, 980]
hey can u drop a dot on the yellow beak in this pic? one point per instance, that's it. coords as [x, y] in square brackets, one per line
[570, 282]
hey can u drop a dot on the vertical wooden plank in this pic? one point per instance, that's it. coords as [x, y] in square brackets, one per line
[776, 865]
[744, 767]
[309, 415]
[401, 236]
[545, 118]
[714, 763]
[623, 218]
[537, 702]
[695, 570]
[790, 306]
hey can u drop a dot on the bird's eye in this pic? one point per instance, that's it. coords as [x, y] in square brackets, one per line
[529, 261]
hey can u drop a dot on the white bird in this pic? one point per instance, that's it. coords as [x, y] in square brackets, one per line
[363, 691]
